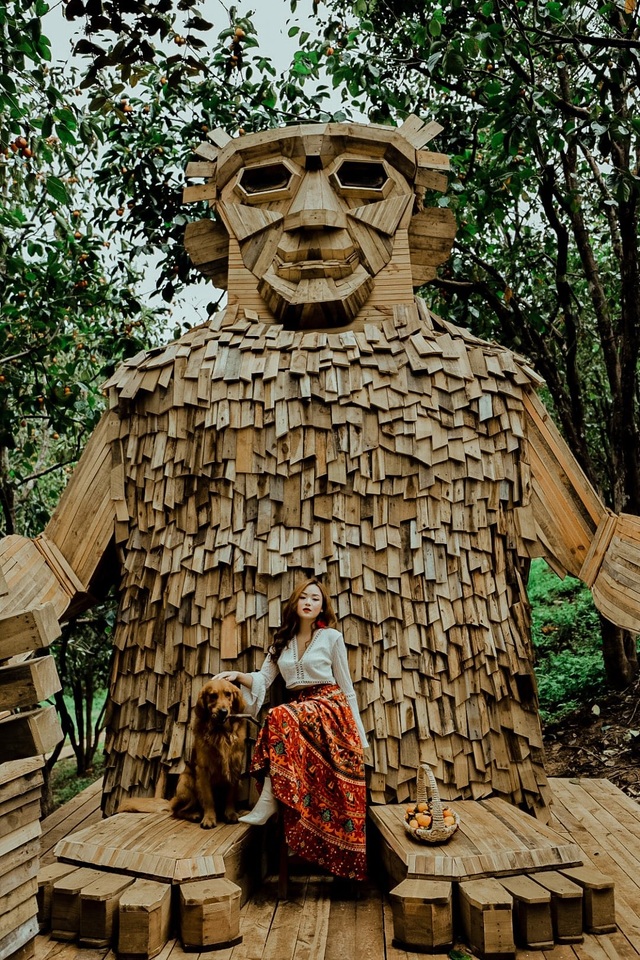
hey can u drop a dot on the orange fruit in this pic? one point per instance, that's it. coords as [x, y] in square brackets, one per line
[410, 809]
[422, 807]
[413, 824]
[449, 821]
[423, 819]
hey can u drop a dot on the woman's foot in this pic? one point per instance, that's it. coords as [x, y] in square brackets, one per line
[265, 808]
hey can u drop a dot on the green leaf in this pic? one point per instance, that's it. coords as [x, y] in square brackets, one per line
[56, 189]
[435, 28]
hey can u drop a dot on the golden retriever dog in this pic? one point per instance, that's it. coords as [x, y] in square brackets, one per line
[208, 785]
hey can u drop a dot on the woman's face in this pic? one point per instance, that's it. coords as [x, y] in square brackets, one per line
[309, 606]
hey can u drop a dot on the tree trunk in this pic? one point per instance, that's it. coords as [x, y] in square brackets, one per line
[619, 653]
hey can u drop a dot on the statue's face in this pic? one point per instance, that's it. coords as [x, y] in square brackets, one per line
[315, 222]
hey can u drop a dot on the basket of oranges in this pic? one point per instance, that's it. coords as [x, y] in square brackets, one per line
[427, 819]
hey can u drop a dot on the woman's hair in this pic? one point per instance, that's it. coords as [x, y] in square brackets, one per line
[291, 622]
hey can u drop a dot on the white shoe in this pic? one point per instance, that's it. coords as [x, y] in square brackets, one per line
[265, 808]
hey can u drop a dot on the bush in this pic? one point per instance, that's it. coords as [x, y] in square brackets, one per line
[565, 630]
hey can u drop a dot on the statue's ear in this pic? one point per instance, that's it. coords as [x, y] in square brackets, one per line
[431, 235]
[207, 243]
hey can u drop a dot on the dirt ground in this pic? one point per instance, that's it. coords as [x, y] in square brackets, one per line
[602, 739]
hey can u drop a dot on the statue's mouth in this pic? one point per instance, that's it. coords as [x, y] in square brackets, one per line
[314, 269]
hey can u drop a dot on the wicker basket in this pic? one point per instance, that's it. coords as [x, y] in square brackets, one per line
[438, 832]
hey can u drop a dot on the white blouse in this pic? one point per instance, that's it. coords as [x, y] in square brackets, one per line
[323, 661]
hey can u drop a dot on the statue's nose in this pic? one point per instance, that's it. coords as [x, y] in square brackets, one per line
[315, 205]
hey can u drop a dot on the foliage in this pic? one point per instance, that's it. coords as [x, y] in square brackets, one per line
[83, 658]
[69, 309]
[66, 783]
[565, 630]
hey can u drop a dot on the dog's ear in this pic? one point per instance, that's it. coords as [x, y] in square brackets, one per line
[238, 702]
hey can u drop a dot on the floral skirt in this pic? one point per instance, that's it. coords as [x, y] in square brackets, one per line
[311, 750]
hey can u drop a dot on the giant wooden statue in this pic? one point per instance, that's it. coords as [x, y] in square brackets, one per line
[327, 423]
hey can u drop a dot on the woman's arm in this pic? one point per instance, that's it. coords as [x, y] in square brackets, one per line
[340, 666]
[255, 685]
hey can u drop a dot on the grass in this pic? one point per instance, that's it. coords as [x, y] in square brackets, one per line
[565, 630]
[65, 782]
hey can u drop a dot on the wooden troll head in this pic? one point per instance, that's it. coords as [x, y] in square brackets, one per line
[319, 226]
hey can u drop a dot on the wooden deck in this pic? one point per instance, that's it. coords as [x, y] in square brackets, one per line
[323, 920]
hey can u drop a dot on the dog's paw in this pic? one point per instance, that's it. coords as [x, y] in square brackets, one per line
[208, 821]
[231, 816]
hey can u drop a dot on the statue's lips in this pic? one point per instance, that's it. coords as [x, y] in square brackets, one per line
[315, 269]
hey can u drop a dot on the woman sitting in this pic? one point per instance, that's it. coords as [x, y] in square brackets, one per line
[309, 753]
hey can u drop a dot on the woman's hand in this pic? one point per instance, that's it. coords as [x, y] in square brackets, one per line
[235, 677]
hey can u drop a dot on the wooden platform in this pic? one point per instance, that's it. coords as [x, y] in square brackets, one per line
[494, 839]
[160, 848]
[322, 921]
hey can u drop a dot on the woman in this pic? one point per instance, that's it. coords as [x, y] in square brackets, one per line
[309, 753]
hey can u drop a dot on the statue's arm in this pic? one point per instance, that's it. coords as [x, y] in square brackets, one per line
[64, 565]
[577, 533]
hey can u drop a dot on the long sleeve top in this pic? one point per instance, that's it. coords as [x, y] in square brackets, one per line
[323, 661]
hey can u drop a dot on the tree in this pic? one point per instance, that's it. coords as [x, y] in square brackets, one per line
[538, 103]
[69, 308]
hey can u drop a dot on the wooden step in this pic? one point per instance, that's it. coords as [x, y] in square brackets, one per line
[144, 918]
[65, 902]
[598, 899]
[566, 906]
[486, 913]
[532, 924]
[47, 876]
[422, 914]
[99, 909]
[210, 914]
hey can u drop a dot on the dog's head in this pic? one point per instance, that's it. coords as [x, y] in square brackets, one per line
[218, 700]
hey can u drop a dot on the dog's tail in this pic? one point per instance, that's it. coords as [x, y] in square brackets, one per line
[144, 805]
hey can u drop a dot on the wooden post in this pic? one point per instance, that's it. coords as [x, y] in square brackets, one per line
[209, 914]
[47, 876]
[99, 909]
[598, 899]
[486, 912]
[144, 917]
[566, 906]
[422, 915]
[532, 923]
[65, 902]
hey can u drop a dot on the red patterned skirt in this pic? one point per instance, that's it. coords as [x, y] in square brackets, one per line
[311, 750]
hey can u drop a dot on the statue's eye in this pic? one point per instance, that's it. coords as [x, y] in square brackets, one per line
[272, 176]
[361, 175]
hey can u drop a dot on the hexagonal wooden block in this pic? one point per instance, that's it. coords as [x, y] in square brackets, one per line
[532, 923]
[209, 913]
[486, 912]
[598, 899]
[422, 916]
[566, 905]
[99, 909]
[144, 918]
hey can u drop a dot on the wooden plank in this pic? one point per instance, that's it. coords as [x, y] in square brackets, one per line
[27, 683]
[28, 734]
[28, 630]
[144, 916]
[486, 913]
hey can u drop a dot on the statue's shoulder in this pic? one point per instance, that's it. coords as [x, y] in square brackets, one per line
[156, 367]
[485, 358]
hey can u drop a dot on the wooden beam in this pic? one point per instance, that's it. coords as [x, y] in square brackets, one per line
[29, 734]
[27, 683]
[28, 630]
